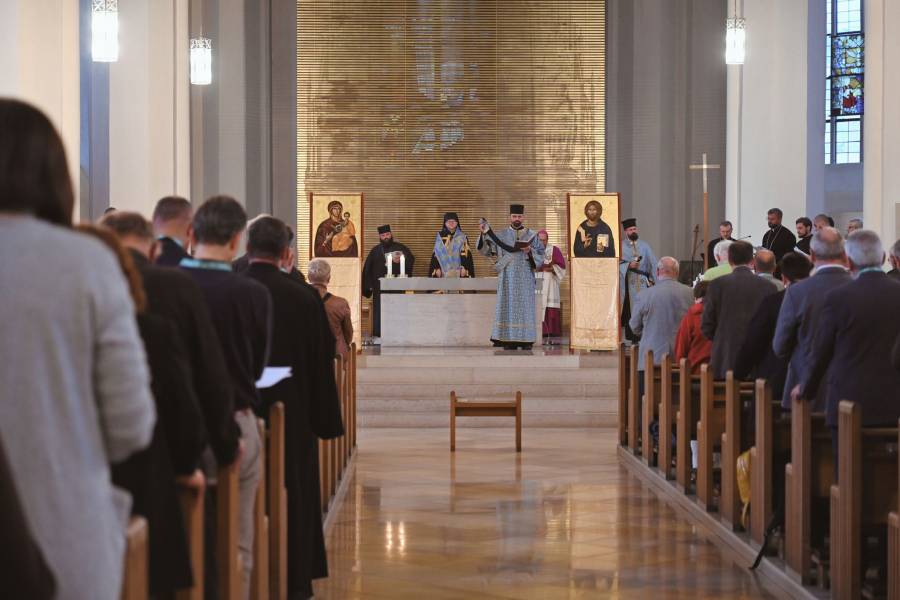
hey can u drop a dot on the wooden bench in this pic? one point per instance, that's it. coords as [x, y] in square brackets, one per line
[773, 440]
[669, 380]
[259, 576]
[228, 562]
[277, 504]
[808, 480]
[650, 406]
[737, 395]
[634, 400]
[862, 498]
[686, 426]
[498, 408]
[624, 368]
[135, 583]
[191, 502]
[710, 428]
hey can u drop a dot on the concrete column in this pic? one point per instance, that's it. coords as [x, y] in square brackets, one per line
[149, 123]
[39, 64]
[734, 91]
[781, 124]
[881, 135]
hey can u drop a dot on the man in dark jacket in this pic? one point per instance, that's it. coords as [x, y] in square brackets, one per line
[172, 226]
[779, 238]
[301, 340]
[756, 357]
[855, 338]
[729, 304]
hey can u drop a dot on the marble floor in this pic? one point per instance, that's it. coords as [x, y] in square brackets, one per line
[560, 520]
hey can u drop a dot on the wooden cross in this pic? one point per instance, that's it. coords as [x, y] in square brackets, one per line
[705, 167]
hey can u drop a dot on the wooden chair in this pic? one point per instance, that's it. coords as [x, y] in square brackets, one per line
[135, 583]
[228, 560]
[624, 369]
[773, 439]
[463, 408]
[650, 406]
[866, 492]
[259, 576]
[191, 501]
[737, 395]
[633, 400]
[893, 556]
[686, 426]
[277, 504]
[668, 397]
[710, 428]
[808, 480]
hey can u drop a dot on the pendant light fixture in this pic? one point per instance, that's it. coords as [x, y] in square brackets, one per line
[105, 30]
[735, 38]
[201, 61]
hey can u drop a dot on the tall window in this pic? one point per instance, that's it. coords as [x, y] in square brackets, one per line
[844, 78]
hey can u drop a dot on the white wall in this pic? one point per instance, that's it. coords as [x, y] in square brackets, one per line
[39, 64]
[776, 129]
[149, 135]
[881, 167]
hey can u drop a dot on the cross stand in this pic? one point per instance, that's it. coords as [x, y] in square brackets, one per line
[705, 167]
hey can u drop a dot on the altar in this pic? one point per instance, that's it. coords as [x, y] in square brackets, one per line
[426, 311]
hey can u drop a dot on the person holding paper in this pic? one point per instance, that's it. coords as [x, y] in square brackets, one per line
[301, 340]
[386, 252]
[519, 252]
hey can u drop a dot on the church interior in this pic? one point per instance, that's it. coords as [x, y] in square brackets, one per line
[352, 299]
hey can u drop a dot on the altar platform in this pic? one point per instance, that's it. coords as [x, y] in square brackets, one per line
[410, 386]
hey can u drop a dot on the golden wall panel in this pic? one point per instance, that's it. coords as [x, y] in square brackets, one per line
[451, 105]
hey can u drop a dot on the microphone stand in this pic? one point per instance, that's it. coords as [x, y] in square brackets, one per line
[694, 251]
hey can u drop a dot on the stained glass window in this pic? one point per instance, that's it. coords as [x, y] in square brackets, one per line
[845, 81]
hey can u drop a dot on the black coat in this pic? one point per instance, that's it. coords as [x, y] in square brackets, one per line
[857, 330]
[756, 357]
[780, 241]
[174, 295]
[171, 253]
[301, 339]
[178, 440]
[730, 302]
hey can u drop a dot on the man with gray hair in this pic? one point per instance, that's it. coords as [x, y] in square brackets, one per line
[337, 309]
[799, 315]
[854, 339]
[894, 258]
[658, 311]
[854, 225]
[721, 254]
[765, 267]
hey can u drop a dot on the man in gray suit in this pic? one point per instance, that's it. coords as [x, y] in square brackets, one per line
[797, 320]
[729, 306]
[658, 312]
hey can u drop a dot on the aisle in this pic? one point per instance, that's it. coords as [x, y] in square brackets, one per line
[562, 520]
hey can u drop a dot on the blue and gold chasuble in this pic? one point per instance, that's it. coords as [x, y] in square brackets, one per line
[514, 316]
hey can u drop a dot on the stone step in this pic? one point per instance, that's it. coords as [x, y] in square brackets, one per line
[441, 391]
[422, 357]
[463, 375]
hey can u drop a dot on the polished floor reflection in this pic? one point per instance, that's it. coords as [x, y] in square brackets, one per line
[561, 520]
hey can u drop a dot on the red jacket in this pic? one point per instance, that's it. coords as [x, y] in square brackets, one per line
[690, 343]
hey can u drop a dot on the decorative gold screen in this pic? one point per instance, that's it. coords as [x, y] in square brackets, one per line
[428, 106]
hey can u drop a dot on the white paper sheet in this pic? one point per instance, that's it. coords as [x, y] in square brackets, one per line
[273, 375]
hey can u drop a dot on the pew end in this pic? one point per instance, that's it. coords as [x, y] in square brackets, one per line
[136, 582]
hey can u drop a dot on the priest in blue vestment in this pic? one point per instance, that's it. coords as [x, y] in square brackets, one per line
[519, 252]
[637, 271]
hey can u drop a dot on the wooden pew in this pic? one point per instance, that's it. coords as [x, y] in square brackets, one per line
[135, 583]
[894, 556]
[624, 369]
[649, 406]
[259, 576]
[228, 562]
[342, 394]
[191, 501]
[633, 399]
[277, 504]
[668, 396]
[808, 480]
[686, 426]
[864, 495]
[773, 439]
[353, 361]
[736, 394]
[710, 428]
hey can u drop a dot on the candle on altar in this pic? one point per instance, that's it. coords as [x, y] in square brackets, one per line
[388, 258]
[402, 265]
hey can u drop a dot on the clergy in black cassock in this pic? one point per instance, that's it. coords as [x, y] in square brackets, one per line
[302, 340]
[375, 268]
[779, 238]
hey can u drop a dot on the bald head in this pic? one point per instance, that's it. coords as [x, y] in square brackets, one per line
[765, 261]
[667, 268]
[827, 246]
